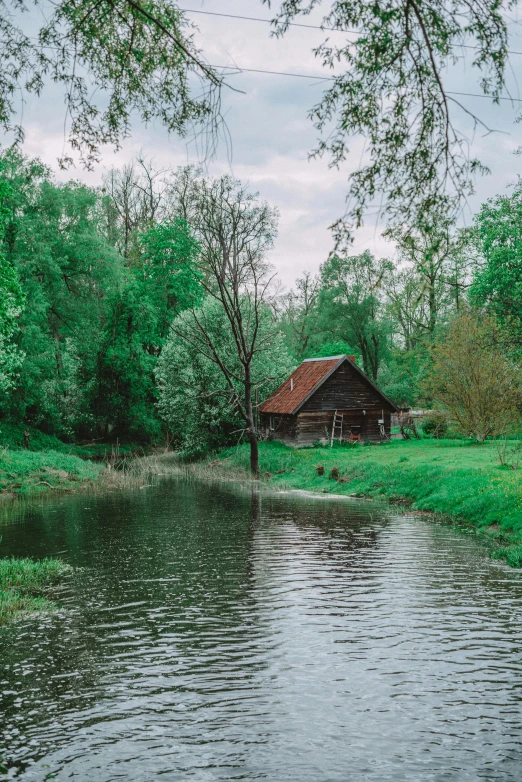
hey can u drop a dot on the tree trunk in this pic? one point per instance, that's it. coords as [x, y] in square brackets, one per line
[251, 425]
[432, 303]
[254, 453]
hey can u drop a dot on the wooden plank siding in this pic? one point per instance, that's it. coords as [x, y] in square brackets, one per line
[345, 389]
[317, 426]
[280, 427]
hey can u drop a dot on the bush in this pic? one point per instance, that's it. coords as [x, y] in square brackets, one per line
[435, 425]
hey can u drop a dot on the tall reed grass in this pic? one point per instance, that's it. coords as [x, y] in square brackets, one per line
[25, 585]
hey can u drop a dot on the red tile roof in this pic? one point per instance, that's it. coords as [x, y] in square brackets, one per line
[301, 383]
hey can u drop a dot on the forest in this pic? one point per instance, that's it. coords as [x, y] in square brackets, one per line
[145, 311]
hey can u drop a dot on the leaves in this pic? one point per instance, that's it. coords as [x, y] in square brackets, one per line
[472, 377]
[140, 57]
[390, 88]
[498, 283]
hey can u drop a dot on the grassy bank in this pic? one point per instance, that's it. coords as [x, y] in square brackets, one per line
[28, 472]
[12, 437]
[458, 479]
[25, 584]
[50, 464]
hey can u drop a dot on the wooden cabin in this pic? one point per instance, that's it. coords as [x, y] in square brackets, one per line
[327, 399]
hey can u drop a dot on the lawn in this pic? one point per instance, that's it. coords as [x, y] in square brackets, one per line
[459, 479]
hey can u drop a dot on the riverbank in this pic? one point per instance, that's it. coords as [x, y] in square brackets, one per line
[49, 464]
[25, 472]
[459, 480]
[25, 585]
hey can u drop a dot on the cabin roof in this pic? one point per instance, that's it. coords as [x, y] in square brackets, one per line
[305, 380]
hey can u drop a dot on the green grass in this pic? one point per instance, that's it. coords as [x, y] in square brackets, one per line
[12, 437]
[457, 479]
[50, 464]
[24, 586]
[27, 472]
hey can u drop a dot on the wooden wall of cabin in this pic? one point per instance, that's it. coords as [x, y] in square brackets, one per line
[345, 389]
[315, 427]
[279, 427]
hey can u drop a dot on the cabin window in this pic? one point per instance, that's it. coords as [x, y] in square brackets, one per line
[271, 423]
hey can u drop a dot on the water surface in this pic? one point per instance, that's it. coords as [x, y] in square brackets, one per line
[213, 634]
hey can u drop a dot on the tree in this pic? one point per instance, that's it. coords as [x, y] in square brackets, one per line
[434, 250]
[195, 399]
[168, 273]
[98, 319]
[134, 201]
[235, 230]
[392, 91]
[473, 378]
[498, 281]
[140, 57]
[406, 306]
[162, 282]
[298, 314]
[65, 267]
[351, 306]
[12, 302]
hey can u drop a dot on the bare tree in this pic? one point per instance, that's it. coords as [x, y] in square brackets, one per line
[298, 312]
[136, 198]
[235, 230]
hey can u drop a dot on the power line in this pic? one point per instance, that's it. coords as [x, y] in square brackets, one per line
[272, 73]
[239, 70]
[299, 24]
[267, 21]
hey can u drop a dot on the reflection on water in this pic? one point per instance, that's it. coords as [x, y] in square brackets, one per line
[213, 634]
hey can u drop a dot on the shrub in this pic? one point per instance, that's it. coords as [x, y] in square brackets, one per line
[473, 378]
[435, 425]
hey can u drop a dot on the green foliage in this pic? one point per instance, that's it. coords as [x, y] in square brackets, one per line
[498, 282]
[330, 349]
[141, 58]
[195, 399]
[435, 425]
[54, 239]
[473, 379]
[96, 325]
[350, 306]
[169, 272]
[390, 87]
[12, 300]
[163, 284]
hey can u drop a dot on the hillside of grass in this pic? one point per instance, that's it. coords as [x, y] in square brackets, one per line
[458, 479]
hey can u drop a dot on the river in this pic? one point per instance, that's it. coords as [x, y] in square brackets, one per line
[209, 633]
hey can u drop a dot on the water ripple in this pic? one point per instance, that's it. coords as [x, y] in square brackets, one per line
[214, 635]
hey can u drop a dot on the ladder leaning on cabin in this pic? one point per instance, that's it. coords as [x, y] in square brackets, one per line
[337, 426]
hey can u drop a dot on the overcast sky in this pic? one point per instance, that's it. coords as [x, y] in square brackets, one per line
[272, 135]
